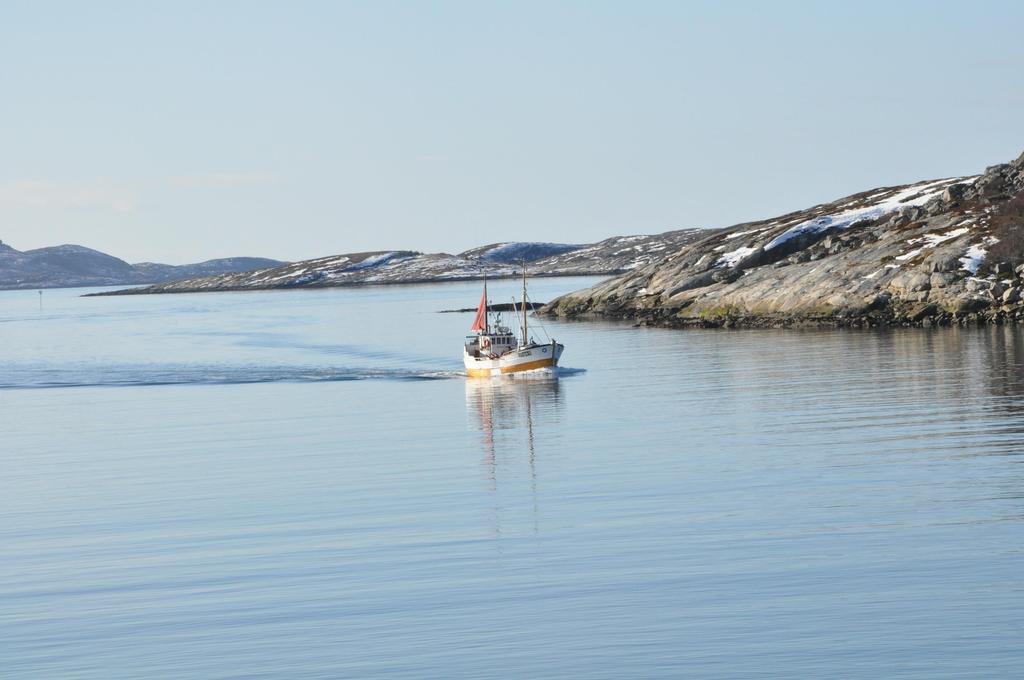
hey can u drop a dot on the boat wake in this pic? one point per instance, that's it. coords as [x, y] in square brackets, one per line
[39, 376]
[546, 373]
[26, 377]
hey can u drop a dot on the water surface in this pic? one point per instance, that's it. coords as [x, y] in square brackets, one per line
[300, 484]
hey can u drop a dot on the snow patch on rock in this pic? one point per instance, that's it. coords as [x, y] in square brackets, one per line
[734, 256]
[885, 203]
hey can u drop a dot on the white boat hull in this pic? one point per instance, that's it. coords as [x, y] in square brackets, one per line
[530, 358]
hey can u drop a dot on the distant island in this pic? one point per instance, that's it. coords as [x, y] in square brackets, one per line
[498, 260]
[73, 266]
[940, 252]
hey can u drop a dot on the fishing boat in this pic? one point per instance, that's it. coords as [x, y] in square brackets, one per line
[494, 350]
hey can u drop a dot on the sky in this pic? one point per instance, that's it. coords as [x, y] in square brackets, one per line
[183, 131]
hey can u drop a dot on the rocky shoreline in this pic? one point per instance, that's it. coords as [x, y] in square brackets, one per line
[906, 316]
[936, 253]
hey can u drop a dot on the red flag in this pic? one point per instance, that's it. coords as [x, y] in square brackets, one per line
[480, 322]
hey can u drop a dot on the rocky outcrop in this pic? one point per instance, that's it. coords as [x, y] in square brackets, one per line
[74, 266]
[514, 252]
[611, 256]
[914, 254]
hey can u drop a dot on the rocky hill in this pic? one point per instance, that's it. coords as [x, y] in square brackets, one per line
[612, 256]
[73, 266]
[510, 253]
[934, 252]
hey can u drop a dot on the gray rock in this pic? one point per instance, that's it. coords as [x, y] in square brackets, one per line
[970, 303]
[752, 260]
[977, 285]
[921, 311]
[899, 219]
[954, 193]
[699, 281]
[725, 275]
[936, 206]
[943, 262]
[991, 186]
[1011, 295]
[910, 282]
[877, 301]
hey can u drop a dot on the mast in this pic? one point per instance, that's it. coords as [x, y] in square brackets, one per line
[524, 300]
[487, 307]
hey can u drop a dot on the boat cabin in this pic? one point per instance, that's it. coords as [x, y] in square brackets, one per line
[496, 343]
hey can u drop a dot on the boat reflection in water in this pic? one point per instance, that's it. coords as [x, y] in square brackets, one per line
[517, 419]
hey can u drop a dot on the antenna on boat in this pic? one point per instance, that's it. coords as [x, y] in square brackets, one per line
[524, 301]
[515, 310]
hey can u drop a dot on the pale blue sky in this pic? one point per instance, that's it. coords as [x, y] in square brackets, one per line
[181, 131]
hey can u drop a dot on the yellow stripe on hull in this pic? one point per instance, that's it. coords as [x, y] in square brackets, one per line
[528, 366]
[514, 368]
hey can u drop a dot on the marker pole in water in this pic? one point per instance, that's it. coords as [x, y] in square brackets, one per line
[40, 299]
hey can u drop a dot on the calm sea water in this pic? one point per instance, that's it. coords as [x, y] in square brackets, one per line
[299, 485]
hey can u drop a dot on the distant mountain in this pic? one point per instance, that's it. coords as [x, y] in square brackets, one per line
[77, 266]
[611, 256]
